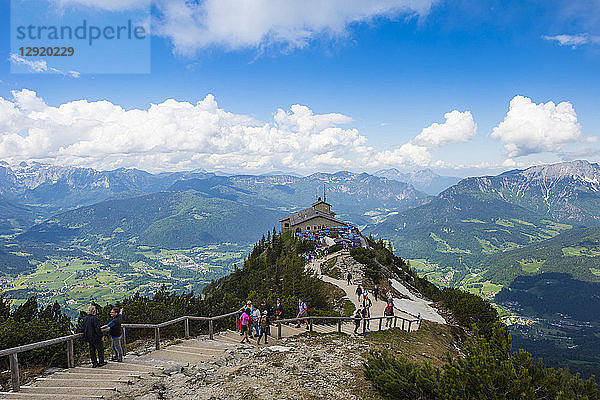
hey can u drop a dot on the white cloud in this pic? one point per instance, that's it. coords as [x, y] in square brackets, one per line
[239, 24]
[39, 66]
[181, 135]
[530, 128]
[459, 127]
[573, 40]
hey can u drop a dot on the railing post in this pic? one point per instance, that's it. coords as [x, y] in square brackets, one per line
[210, 329]
[310, 321]
[279, 330]
[14, 372]
[124, 342]
[403, 321]
[339, 326]
[409, 324]
[380, 321]
[364, 325]
[187, 328]
[70, 354]
[395, 320]
[237, 322]
[157, 338]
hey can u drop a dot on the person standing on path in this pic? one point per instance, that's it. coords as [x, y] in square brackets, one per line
[367, 306]
[389, 313]
[358, 292]
[302, 313]
[357, 319]
[92, 333]
[264, 325]
[349, 277]
[278, 310]
[376, 292]
[245, 323]
[255, 321]
[115, 333]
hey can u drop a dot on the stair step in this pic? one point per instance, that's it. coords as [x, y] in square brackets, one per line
[82, 391]
[60, 396]
[79, 382]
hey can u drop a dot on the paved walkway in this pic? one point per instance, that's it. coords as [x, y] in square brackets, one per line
[409, 308]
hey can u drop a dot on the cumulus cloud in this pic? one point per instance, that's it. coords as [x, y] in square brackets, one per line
[39, 66]
[530, 128]
[458, 127]
[239, 24]
[573, 40]
[176, 135]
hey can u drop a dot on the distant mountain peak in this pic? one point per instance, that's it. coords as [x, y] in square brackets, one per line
[576, 169]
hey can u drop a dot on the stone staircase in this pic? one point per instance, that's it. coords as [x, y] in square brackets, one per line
[84, 382]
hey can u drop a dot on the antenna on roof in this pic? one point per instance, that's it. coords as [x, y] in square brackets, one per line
[324, 195]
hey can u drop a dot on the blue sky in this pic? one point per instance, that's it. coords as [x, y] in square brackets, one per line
[392, 72]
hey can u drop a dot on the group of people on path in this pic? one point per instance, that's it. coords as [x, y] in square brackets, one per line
[259, 319]
[363, 312]
[92, 333]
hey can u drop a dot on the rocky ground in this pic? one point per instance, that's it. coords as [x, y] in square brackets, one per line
[312, 366]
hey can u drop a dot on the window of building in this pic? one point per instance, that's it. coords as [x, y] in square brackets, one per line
[286, 225]
[308, 228]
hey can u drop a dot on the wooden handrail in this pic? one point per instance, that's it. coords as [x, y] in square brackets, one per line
[14, 351]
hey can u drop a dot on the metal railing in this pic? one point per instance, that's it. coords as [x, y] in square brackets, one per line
[13, 352]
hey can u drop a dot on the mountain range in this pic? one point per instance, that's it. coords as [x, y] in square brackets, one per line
[485, 215]
[424, 180]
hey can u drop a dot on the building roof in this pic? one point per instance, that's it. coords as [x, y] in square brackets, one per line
[319, 202]
[308, 214]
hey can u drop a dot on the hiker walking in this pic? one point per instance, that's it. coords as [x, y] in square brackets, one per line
[302, 313]
[359, 292]
[245, 323]
[349, 277]
[92, 333]
[264, 325]
[376, 292]
[115, 333]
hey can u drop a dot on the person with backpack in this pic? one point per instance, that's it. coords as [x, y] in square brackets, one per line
[302, 313]
[389, 313]
[349, 277]
[115, 333]
[264, 325]
[248, 307]
[92, 333]
[245, 323]
[357, 319]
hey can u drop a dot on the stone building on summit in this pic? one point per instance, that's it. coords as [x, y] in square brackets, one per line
[317, 217]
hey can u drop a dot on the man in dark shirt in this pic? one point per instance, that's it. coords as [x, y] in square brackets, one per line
[115, 333]
[92, 333]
